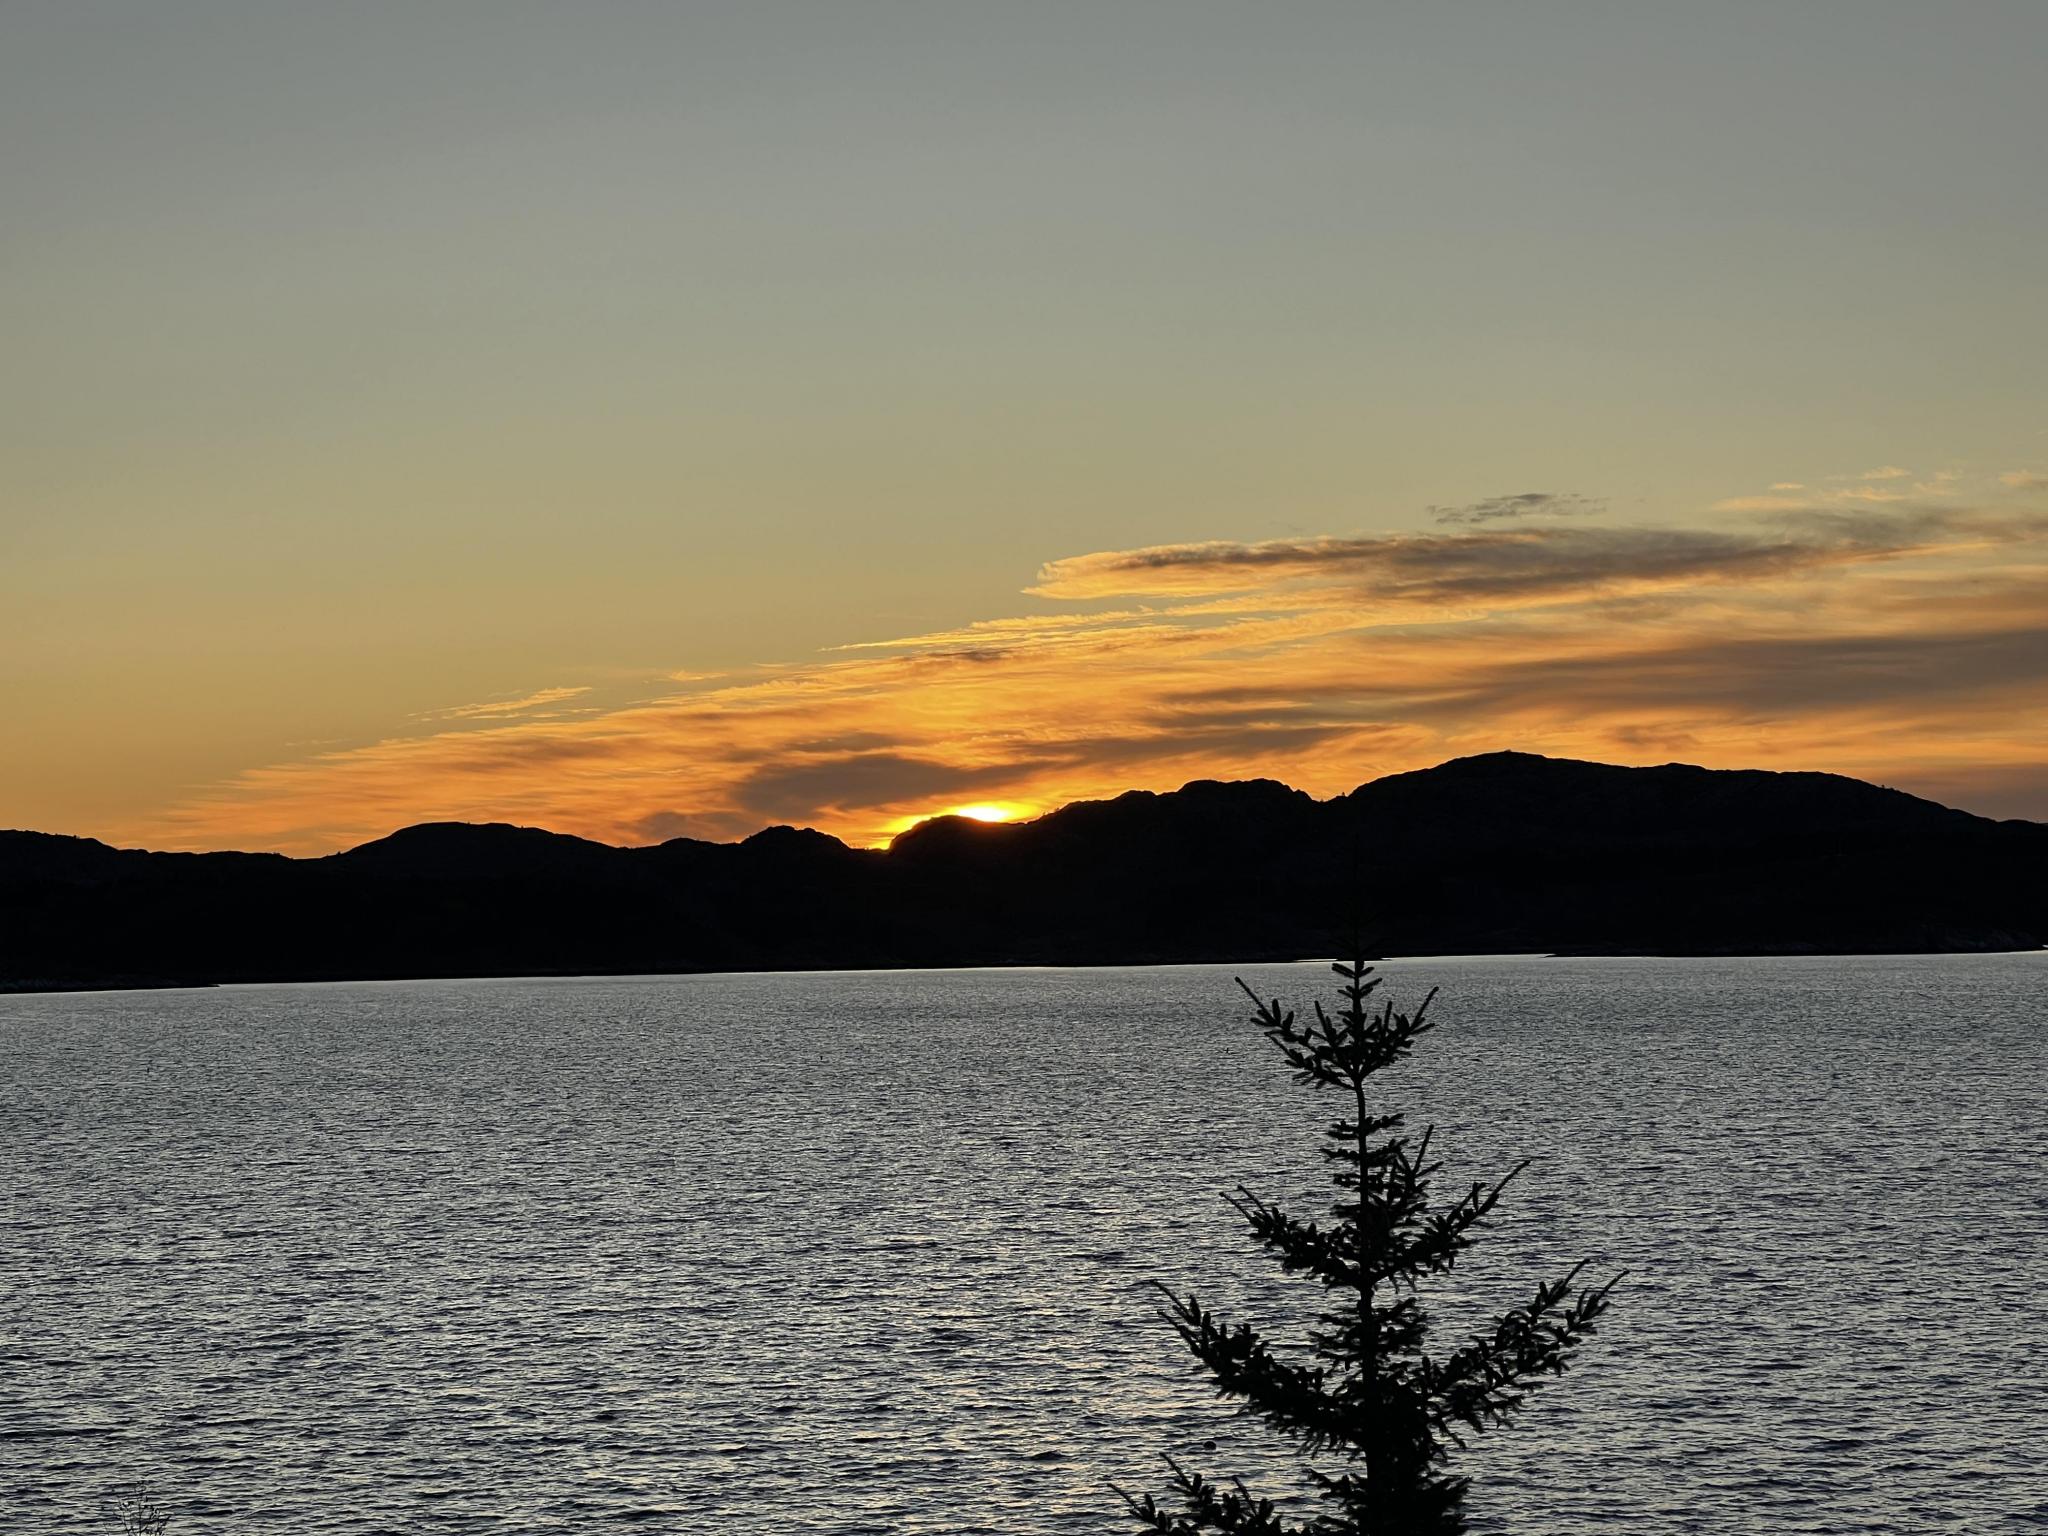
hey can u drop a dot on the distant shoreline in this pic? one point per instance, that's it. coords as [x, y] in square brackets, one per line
[58, 988]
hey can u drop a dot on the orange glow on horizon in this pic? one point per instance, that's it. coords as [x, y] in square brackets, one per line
[1905, 649]
[989, 811]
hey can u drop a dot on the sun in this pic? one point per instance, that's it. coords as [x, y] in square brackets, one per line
[986, 811]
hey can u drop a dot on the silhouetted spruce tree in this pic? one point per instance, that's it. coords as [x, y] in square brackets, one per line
[1368, 1398]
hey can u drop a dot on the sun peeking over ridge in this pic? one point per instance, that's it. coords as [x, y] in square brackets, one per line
[990, 811]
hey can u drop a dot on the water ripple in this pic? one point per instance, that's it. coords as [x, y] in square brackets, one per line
[868, 1253]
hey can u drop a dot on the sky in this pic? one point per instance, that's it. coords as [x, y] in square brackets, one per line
[670, 420]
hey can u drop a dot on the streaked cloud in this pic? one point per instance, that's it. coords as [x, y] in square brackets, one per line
[1906, 642]
[505, 709]
[1536, 564]
[842, 783]
[1496, 509]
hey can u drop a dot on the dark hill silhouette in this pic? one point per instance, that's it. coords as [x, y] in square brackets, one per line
[462, 850]
[1505, 852]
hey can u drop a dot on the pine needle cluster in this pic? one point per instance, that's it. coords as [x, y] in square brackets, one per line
[1368, 1399]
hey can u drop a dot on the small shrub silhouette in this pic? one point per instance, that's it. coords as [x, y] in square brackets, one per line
[139, 1514]
[1369, 1398]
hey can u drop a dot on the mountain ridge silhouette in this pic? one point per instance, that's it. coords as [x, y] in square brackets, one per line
[1502, 852]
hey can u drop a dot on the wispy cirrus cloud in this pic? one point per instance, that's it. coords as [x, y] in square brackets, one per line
[506, 709]
[1887, 486]
[1905, 641]
[1498, 509]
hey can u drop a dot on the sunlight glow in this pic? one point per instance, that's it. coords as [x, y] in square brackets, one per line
[990, 811]
[1472, 641]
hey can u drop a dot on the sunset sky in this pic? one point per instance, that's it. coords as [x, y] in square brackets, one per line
[645, 420]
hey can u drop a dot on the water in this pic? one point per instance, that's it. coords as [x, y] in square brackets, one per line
[866, 1253]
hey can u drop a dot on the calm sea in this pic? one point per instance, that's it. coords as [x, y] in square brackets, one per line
[867, 1253]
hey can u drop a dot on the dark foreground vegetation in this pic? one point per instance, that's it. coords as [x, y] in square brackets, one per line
[1494, 854]
[1371, 1409]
